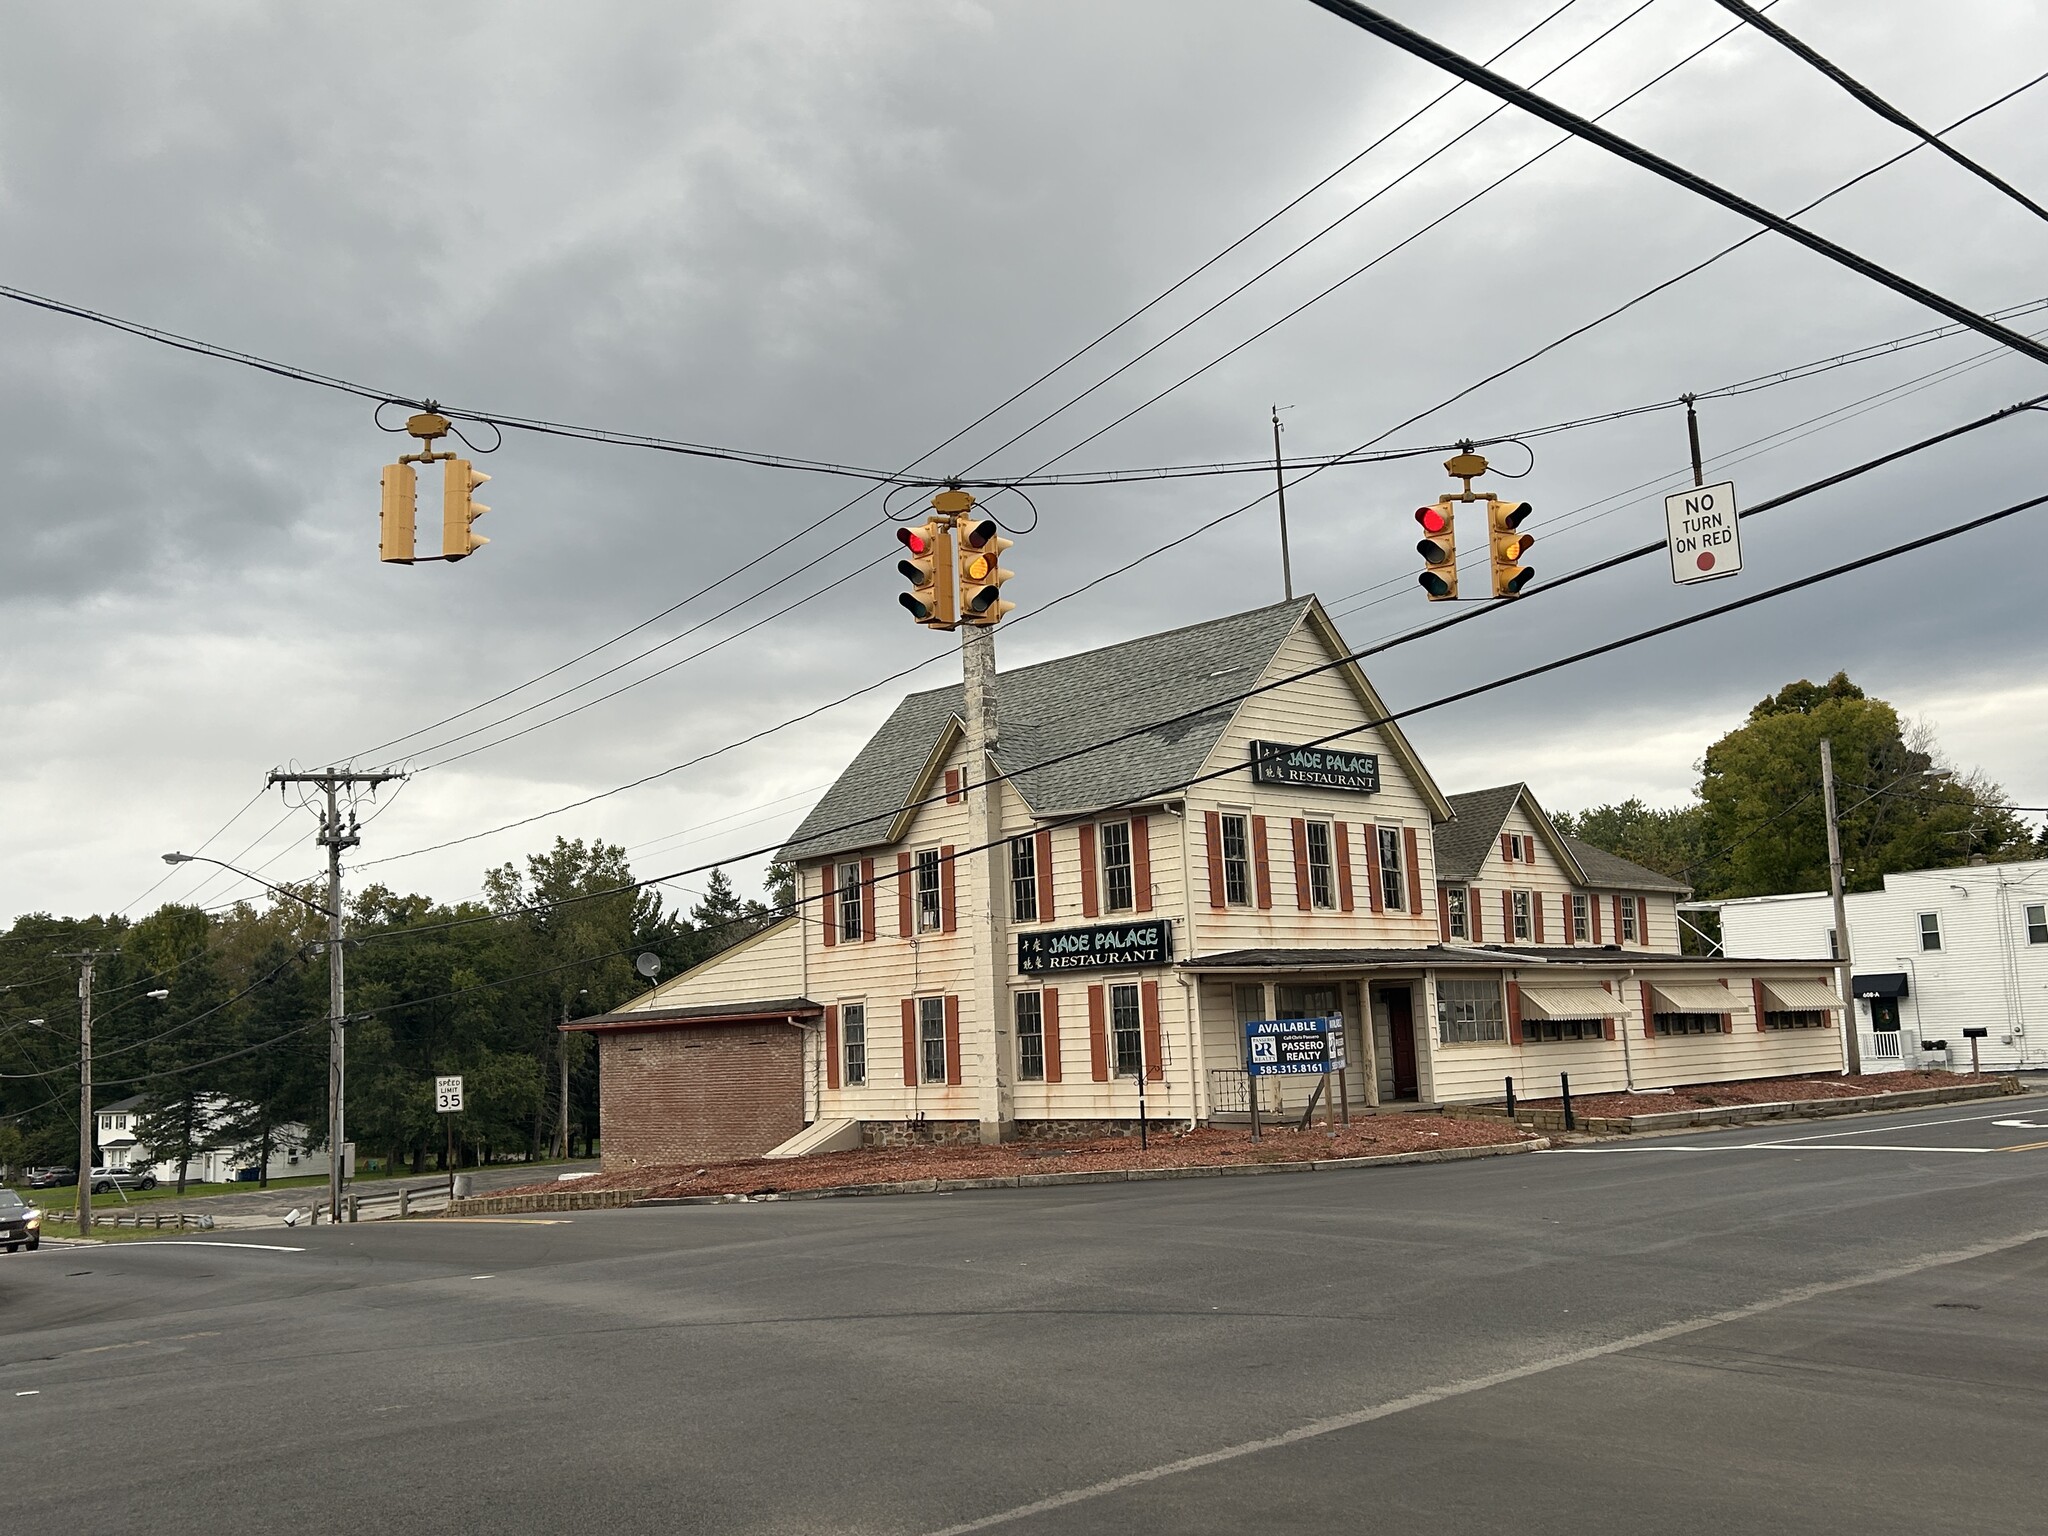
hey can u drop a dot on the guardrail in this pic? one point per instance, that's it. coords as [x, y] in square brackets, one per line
[176, 1221]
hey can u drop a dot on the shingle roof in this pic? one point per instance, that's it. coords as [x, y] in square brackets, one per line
[1054, 707]
[1611, 869]
[1462, 846]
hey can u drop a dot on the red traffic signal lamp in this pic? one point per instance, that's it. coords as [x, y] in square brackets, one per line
[929, 570]
[459, 509]
[1504, 520]
[1438, 547]
[981, 573]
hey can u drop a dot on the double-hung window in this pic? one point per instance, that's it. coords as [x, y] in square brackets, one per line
[1119, 894]
[1458, 915]
[853, 1044]
[2037, 924]
[1392, 887]
[1470, 1012]
[1023, 880]
[931, 1038]
[1582, 913]
[930, 910]
[1628, 920]
[1520, 902]
[1031, 1037]
[849, 902]
[1126, 1031]
[1237, 860]
[1518, 848]
[1930, 930]
[1322, 883]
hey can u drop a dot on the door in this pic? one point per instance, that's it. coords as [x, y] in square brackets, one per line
[1885, 1040]
[1401, 1026]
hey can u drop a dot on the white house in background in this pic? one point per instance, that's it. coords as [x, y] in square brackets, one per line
[214, 1160]
[1934, 952]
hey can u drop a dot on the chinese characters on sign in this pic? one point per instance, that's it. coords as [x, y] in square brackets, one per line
[1107, 947]
[1274, 762]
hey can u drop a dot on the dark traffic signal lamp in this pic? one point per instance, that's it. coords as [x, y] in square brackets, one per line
[459, 509]
[395, 537]
[1438, 547]
[929, 570]
[982, 574]
[1504, 521]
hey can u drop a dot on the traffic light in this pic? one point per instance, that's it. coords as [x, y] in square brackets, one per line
[929, 570]
[459, 510]
[395, 541]
[982, 574]
[1438, 547]
[1504, 518]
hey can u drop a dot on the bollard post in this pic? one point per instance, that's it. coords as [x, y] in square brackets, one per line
[354, 1211]
[1511, 1098]
[404, 1203]
[1564, 1089]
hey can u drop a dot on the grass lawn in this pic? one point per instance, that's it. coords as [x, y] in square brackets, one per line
[66, 1198]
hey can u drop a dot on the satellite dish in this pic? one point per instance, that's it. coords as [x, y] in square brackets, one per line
[648, 964]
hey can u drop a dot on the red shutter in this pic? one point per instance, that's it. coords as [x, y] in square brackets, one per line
[1141, 862]
[1050, 1013]
[831, 1045]
[949, 911]
[1414, 871]
[830, 906]
[1098, 1036]
[867, 901]
[1514, 1013]
[1593, 906]
[1091, 899]
[910, 1042]
[1155, 1049]
[952, 786]
[1643, 921]
[1607, 1023]
[1342, 831]
[1507, 917]
[1043, 837]
[1756, 995]
[1616, 900]
[1372, 866]
[1212, 831]
[952, 1040]
[904, 891]
[1507, 847]
[1472, 911]
[1299, 829]
[1262, 864]
[1649, 1014]
[1536, 913]
[1443, 916]
[1529, 850]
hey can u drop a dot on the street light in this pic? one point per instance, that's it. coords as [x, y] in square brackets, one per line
[200, 858]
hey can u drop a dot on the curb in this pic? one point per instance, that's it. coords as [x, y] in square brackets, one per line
[1745, 1114]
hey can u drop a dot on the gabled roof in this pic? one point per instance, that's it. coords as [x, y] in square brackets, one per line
[1613, 871]
[1056, 707]
[1463, 846]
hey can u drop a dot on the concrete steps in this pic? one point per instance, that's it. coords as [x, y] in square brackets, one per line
[820, 1136]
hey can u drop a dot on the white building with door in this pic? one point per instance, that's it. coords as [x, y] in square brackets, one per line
[1933, 953]
[215, 1159]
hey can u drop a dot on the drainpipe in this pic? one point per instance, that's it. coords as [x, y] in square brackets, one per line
[1189, 988]
[1628, 1066]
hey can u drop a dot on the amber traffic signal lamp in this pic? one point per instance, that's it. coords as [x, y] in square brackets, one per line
[982, 574]
[1438, 547]
[1504, 520]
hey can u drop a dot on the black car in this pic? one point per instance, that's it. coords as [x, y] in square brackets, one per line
[21, 1224]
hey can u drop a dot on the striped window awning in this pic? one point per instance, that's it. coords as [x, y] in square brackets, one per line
[1691, 997]
[1563, 1000]
[1799, 996]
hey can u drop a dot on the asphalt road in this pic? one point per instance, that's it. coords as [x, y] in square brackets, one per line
[1834, 1329]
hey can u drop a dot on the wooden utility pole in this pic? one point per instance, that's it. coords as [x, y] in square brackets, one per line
[1280, 491]
[1852, 1046]
[87, 959]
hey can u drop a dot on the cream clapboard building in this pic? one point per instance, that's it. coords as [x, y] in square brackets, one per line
[1149, 898]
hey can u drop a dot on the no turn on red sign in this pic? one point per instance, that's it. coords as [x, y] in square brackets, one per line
[1702, 533]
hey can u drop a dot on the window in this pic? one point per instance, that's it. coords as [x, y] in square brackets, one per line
[853, 1044]
[930, 914]
[1322, 885]
[1251, 1001]
[1126, 1030]
[931, 1036]
[1468, 1012]
[1518, 848]
[1930, 930]
[1118, 893]
[1023, 880]
[1545, 1031]
[1390, 869]
[1582, 913]
[1685, 1023]
[1834, 946]
[1458, 917]
[1521, 911]
[1237, 861]
[1031, 1037]
[1628, 920]
[1796, 1018]
[849, 901]
[2037, 925]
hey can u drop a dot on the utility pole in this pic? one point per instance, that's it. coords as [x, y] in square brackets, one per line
[1280, 490]
[87, 959]
[334, 837]
[985, 904]
[1852, 1047]
[561, 1147]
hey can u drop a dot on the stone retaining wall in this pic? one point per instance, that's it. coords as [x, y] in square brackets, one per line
[552, 1200]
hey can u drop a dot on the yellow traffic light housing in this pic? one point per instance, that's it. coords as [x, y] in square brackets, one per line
[981, 573]
[1504, 520]
[401, 490]
[459, 510]
[1438, 547]
[929, 570]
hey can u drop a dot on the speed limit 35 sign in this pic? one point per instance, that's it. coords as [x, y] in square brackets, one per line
[448, 1095]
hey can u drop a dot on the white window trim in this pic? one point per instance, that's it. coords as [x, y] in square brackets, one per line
[1395, 881]
[1137, 999]
[933, 918]
[1925, 933]
[1017, 1024]
[1103, 866]
[938, 1016]
[1247, 894]
[1522, 907]
[846, 1077]
[2028, 918]
[1328, 903]
[1458, 911]
[849, 902]
[1028, 842]
[1581, 918]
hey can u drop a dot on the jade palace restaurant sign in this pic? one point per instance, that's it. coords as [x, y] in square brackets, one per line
[1274, 762]
[1109, 946]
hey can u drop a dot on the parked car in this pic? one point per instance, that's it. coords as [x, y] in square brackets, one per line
[49, 1178]
[106, 1180]
[21, 1224]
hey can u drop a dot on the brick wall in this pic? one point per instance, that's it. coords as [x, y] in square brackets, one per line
[705, 1093]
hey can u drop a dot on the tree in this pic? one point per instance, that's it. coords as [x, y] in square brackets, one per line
[1667, 841]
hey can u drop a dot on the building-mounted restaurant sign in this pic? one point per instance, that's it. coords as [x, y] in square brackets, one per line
[1107, 946]
[1274, 762]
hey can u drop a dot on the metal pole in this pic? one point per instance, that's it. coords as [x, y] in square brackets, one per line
[1852, 1047]
[1692, 436]
[1280, 489]
[1251, 1086]
[1564, 1091]
[331, 835]
[85, 1121]
[1511, 1098]
[562, 1120]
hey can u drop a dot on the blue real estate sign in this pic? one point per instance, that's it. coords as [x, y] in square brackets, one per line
[1293, 1047]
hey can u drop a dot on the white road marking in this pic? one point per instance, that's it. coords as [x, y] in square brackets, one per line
[1786, 1146]
[2024, 1125]
[32, 1392]
[196, 1242]
[1316, 1428]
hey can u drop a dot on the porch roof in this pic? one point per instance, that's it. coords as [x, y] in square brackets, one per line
[776, 1010]
[1602, 958]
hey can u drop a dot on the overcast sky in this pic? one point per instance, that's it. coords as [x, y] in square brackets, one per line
[844, 232]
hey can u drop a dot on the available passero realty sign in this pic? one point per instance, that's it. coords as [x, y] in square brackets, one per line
[1293, 1047]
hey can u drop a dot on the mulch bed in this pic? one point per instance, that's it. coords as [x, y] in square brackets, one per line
[1366, 1136]
[1774, 1090]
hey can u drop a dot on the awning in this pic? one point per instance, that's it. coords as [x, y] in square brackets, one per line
[1563, 1000]
[1883, 984]
[1690, 997]
[1798, 996]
